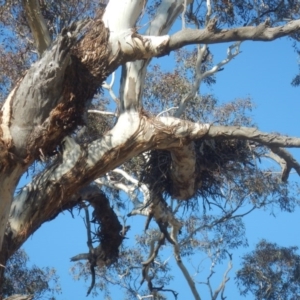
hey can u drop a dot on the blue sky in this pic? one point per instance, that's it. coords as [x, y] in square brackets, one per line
[262, 71]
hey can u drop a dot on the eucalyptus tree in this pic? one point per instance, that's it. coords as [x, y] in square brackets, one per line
[270, 272]
[166, 146]
[20, 278]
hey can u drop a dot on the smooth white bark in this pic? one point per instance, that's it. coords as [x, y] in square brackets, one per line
[122, 15]
[133, 133]
[155, 39]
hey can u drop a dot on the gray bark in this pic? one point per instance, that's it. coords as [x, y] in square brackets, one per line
[48, 103]
[213, 35]
[77, 166]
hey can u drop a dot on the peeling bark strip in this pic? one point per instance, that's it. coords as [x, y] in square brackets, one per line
[183, 172]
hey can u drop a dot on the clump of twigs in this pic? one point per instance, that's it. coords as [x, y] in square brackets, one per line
[214, 160]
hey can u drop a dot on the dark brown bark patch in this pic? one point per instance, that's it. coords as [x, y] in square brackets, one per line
[85, 74]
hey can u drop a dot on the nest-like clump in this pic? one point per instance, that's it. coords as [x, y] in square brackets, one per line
[108, 232]
[214, 160]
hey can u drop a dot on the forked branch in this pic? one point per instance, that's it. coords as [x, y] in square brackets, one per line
[286, 161]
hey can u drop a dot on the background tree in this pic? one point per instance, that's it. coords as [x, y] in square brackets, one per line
[270, 272]
[170, 148]
[22, 279]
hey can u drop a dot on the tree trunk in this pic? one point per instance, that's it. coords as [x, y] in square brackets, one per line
[47, 105]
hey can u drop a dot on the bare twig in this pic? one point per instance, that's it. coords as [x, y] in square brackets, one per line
[130, 187]
[92, 259]
[232, 52]
[109, 87]
[225, 279]
[229, 216]
[167, 110]
[100, 112]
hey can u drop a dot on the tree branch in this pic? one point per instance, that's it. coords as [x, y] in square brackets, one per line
[222, 285]
[20, 297]
[37, 25]
[262, 32]
[132, 184]
[253, 134]
[133, 134]
[133, 73]
[232, 52]
[285, 160]
[43, 86]
[184, 270]
[130, 45]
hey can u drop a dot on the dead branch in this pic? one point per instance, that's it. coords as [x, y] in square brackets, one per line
[92, 259]
[155, 244]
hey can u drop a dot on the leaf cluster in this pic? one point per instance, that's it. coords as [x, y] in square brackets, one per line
[20, 278]
[270, 272]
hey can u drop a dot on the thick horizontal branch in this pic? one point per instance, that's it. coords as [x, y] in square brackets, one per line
[212, 35]
[253, 134]
[133, 134]
[131, 46]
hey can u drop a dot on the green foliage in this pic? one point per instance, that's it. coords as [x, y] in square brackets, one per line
[270, 272]
[20, 278]
[230, 180]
